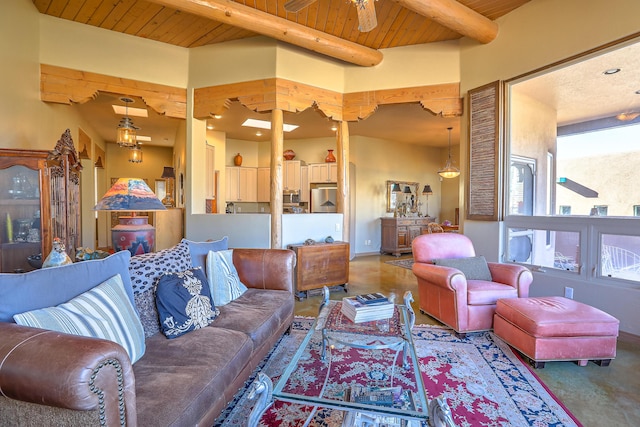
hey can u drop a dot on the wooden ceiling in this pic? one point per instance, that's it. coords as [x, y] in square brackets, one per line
[153, 19]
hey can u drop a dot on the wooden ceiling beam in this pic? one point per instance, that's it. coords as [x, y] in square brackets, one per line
[455, 16]
[238, 15]
[67, 86]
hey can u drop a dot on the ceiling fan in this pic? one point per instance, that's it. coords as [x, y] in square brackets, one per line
[366, 12]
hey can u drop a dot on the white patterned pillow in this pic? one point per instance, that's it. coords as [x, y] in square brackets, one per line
[102, 312]
[223, 277]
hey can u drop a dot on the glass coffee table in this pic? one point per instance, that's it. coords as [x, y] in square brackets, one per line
[368, 370]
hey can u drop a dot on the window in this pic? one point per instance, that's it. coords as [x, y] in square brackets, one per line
[620, 257]
[566, 210]
[600, 210]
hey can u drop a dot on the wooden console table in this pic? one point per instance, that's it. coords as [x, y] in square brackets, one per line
[321, 264]
[398, 233]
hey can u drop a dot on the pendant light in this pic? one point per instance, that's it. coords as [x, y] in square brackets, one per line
[126, 136]
[135, 154]
[449, 171]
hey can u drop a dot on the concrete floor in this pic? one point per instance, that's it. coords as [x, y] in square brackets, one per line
[597, 396]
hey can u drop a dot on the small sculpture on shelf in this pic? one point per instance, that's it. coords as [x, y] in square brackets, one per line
[57, 256]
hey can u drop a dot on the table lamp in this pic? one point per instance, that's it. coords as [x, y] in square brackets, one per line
[133, 233]
[169, 174]
[427, 191]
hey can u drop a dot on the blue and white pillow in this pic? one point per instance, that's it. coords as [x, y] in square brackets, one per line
[184, 302]
[102, 312]
[223, 277]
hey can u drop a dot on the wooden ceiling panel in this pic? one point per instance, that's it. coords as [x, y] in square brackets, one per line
[153, 19]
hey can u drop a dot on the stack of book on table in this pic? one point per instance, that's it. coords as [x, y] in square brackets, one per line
[367, 307]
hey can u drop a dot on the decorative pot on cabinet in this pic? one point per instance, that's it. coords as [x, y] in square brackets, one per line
[237, 160]
[330, 157]
[289, 154]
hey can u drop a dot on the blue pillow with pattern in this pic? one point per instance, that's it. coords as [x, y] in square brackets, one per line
[184, 302]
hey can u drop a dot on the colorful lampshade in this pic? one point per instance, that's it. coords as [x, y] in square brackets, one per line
[129, 194]
[133, 233]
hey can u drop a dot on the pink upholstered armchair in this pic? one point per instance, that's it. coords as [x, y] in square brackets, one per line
[445, 293]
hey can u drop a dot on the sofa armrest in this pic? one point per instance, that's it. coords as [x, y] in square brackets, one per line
[514, 275]
[445, 277]
[265, 268]
[67, 371]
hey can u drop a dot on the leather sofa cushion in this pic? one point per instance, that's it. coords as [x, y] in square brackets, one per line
[557, 317]
[258, 312]
[178, 380]
[481, 292]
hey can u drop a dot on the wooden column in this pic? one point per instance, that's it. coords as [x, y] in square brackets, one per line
[277, 147]
[342, 143]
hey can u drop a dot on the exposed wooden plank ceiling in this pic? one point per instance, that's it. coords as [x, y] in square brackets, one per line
[397, 25]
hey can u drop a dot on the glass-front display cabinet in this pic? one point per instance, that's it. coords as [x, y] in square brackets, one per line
[22, 208]
[39, 200]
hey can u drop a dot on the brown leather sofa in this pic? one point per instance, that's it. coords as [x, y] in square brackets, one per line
[50, 378]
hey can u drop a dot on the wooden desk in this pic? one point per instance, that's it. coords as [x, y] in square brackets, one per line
[322, 264]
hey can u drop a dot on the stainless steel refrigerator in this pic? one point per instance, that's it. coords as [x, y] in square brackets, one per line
[324, 199]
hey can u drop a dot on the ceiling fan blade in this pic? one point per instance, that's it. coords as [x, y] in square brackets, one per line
[296, 5]
[366, 15]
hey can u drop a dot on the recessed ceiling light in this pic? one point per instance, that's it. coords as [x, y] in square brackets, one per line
[263, 124]
[135, 112]
[210, 127]
[611, 71]
[258, 133]
[217, 116]
[334, 128]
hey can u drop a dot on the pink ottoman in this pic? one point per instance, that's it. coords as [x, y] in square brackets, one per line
[556, 328]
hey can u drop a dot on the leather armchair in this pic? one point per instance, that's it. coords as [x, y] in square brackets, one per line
[445, 293]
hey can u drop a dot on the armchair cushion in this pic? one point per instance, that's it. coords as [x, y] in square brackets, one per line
[473, 268]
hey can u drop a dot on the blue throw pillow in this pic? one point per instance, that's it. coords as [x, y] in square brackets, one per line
[200, 250]
[102, 312]
[53, 286]
[184, 302]
[473, 268]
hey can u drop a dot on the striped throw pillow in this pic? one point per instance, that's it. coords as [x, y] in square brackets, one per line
[223, 277]
[102, 312]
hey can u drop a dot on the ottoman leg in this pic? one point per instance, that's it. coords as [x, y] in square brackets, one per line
[582, 362]
[603, 362]
[535, 364]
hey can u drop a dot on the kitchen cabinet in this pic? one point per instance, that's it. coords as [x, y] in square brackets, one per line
[319, 265]
[323, 172]
[242, 184]
[398, 233]
[264, 184]
[39, 200]
[291, 175]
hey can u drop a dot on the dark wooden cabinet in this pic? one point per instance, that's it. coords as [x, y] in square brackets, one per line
[321, 264]
[398, 233]
[39, 200]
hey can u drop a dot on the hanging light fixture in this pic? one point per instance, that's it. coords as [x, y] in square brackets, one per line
[135, 154]
[449, 171]
[126, 130]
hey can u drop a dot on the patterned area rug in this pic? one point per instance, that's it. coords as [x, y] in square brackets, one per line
[483, 381]
[404, 263]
